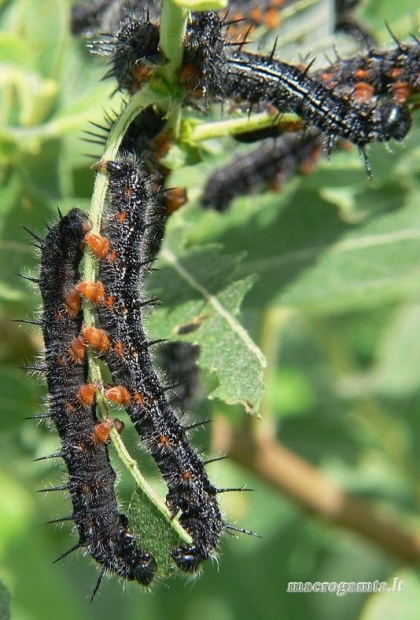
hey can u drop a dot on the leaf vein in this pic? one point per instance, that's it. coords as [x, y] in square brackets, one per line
[236, 327]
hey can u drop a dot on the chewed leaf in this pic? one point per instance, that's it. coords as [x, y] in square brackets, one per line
[202, 298]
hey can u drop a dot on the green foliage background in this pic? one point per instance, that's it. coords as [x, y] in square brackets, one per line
[329, 273]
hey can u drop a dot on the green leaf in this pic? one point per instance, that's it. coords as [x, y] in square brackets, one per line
[369, 265]
[201, 295]
[15, 51]
[155, 532]
[48, 43]
[305, 255]
[397, 371]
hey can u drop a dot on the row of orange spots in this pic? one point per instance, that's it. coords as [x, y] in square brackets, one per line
[363, 91]
[117, 394]
[97, 338]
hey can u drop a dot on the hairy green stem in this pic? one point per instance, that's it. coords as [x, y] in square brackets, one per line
[202, 5]
[174, 23]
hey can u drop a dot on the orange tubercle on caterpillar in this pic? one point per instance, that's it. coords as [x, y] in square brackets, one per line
[101, 432]
[99, 245]
[163, 440]
[86, 394]
[395, 73]
[93, 291]
[73, 302]
[77, 350]
[110, 301]
[361, 74]
[363, 92]
[102, 429]
[119, 348]
[402, 91]
[139, 398]
[97, 338]
[186, 476]
[118, 394]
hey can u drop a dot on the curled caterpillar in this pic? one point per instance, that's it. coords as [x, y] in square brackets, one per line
[103, 530]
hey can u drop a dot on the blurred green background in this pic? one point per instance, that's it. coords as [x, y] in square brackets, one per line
[336, 309]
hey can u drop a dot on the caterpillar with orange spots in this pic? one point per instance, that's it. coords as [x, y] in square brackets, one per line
[103, 531]
[124, 260]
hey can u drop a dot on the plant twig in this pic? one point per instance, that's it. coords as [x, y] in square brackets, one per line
[313, 492]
